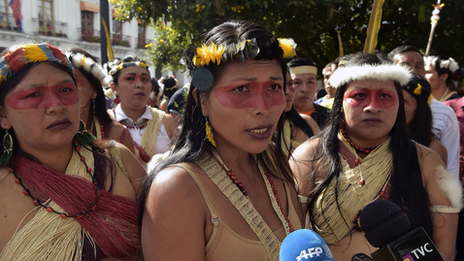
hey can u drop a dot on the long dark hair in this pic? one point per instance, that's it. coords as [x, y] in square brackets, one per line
[420, 127]
[406, 182]
[100, 101]
[191, 142]
[293, 116]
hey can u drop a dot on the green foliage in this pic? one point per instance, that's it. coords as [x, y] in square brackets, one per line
[313, 24]
[167, 47]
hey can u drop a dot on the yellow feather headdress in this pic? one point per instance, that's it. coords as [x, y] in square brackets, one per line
[18, 56]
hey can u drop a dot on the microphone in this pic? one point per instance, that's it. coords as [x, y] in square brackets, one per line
[386, 226]
[304, 244]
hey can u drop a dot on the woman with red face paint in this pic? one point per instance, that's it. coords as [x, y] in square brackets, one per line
[234, 184]
[365, 155]
[90, 77]
[62, 195]
[151, 129]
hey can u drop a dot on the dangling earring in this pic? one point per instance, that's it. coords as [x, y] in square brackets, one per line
[93, 106]
[7, 148]
[209, 133]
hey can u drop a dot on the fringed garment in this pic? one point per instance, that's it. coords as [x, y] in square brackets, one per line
[244, 205]
[289, 145]
[375, 170]
[109, 230]
[150, 134]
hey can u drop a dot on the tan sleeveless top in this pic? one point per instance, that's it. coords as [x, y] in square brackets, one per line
[225, 244]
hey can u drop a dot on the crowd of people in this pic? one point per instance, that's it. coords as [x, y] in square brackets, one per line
[106, 162]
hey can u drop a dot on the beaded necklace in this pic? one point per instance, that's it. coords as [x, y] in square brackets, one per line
[275, 201]
[98, 126]
[342, 129]
[63, 215]
[132, 125]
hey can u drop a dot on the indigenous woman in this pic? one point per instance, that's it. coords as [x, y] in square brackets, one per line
[235, 186]
[365, 155]
[297, 127]
[417, 100]
[90, 76]
[62, 197]
[438, 71]
[150, 128]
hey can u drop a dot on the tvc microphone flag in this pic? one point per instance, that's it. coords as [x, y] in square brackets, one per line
[16, 8]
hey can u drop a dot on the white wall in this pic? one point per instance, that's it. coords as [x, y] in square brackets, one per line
[68, 11]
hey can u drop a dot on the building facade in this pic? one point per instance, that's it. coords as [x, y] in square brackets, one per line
[71, 23]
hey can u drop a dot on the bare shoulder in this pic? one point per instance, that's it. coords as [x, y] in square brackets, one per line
[442, 187]
[312, 123]
[133, 167]
[426, 155]
[174, 205]
[170, 124]
[429, 161]
[440, 149]
[302, 165]
[306, 149]
[175, 177]
[117, 132]
[175, 183]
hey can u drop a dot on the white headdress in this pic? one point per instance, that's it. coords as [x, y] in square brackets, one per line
[383, 72]
[80, 61]
[449, 63]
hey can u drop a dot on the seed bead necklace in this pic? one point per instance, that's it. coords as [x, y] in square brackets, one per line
[132, 125]
[269, 185]
[367, 151]
[97, 126]
[63, 215]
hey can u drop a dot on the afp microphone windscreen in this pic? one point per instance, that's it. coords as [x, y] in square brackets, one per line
[386, 226]
[304, 245]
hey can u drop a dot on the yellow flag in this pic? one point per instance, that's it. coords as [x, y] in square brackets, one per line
[109, 50]
[340, 45]
[374, 27]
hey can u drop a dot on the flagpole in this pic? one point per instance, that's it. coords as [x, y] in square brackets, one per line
[105, 17]
[434, 18]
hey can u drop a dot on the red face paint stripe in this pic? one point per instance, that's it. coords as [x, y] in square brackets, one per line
[44, 97]
[361, 98]
[251, 95]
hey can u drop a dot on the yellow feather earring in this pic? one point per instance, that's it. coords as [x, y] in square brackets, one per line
[209, 133]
